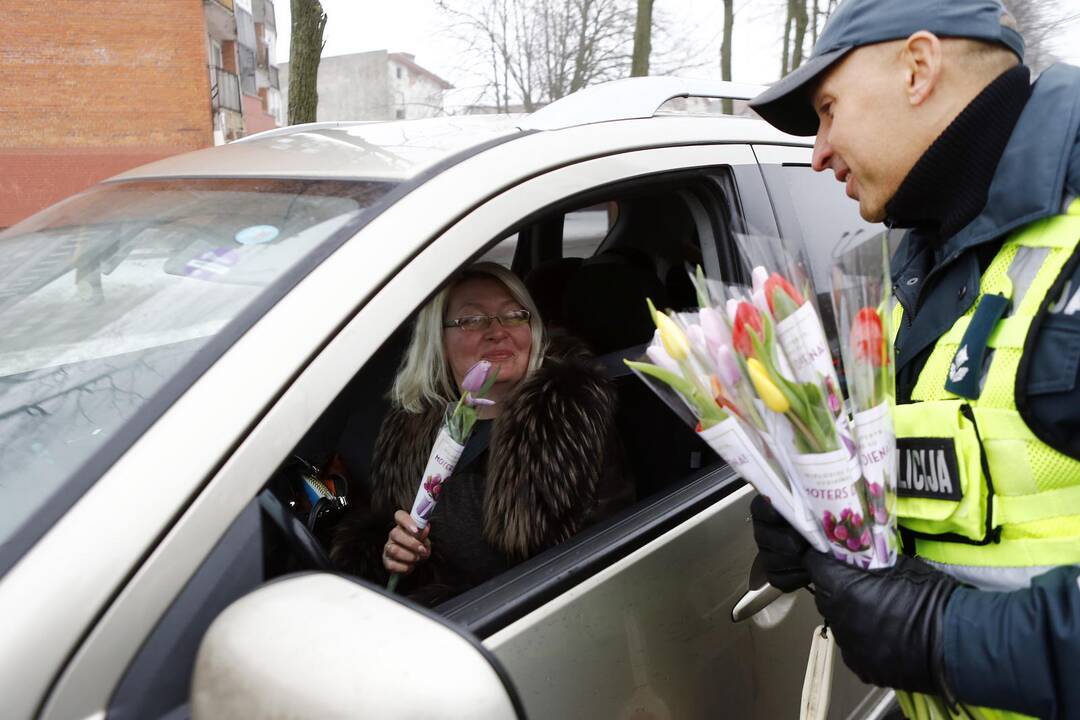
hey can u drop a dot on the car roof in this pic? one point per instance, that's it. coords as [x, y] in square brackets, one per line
[397, 150]
[403, 149]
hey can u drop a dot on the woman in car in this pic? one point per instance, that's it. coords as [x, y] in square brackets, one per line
[542, 462]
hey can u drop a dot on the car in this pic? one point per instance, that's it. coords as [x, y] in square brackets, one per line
[181, 341]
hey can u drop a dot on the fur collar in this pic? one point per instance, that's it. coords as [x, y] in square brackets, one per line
[545, 460]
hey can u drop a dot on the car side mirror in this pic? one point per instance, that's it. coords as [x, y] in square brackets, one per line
[322, 645]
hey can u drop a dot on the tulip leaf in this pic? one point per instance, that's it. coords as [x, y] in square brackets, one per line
[706, 406]
[652, 309]
[783, 304]
[486, 387]
[701, 288]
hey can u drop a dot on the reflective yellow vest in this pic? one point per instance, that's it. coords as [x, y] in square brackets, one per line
[1005, 506]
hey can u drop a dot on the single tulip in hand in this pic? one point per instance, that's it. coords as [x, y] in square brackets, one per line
[474, 386]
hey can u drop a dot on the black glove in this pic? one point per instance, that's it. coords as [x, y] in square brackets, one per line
[781, 547]
[888, 623]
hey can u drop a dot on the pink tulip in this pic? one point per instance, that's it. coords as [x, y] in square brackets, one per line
[727, 367]
[845, 513]
[834, 397]
[696, 335]
[659, 357]
[856, 520]
[875, 489]
[732, 307]
[476, 376]
[864, 539]
[852, 544]
[758, 276]
[841, 532]
[880, 516]
[715, 329]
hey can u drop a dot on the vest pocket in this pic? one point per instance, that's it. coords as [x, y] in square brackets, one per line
[942, 489]
[1055, 359]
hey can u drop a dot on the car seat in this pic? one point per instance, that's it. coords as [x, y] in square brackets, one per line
[547, 283]
[605, 306]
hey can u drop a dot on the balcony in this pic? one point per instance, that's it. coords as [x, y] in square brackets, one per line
[224, 90]
[220, 19]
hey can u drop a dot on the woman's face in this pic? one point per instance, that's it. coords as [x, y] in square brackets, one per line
[506, 347]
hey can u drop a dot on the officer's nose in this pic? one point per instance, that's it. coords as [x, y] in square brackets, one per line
[823, 151]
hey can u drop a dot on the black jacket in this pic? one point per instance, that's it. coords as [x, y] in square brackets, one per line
[552, 465]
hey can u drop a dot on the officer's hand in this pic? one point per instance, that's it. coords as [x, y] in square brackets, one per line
[781, 546]
[888, 623]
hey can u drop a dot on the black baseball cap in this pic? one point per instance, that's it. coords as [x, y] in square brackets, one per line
[855, 23]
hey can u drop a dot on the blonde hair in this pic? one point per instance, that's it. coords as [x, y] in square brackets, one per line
[425, 377]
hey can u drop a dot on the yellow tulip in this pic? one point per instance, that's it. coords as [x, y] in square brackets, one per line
[766, 388]
[672, 337]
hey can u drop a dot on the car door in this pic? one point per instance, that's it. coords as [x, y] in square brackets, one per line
[636, 617]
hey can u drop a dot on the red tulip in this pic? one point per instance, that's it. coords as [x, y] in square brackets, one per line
[778, 283]
[866, 337]
[747, 319]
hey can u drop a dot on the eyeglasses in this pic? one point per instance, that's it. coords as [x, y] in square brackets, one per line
[476, 323]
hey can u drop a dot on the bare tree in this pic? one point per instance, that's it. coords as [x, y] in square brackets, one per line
[537, 51]
[795, 26]
[305, 49]
[1037, 21]
[642, 39]
[725, 50]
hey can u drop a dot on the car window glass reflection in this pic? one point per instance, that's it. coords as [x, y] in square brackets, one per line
[106, 297]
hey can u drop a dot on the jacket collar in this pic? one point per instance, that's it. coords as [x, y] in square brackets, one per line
[1031, 178]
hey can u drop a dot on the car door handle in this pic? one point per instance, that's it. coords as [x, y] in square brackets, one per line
[759, 595]
[754, 601]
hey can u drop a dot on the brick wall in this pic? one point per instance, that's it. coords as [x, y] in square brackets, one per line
[255, 118]
[93, 87]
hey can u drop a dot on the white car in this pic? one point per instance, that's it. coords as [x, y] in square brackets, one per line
[174, 339]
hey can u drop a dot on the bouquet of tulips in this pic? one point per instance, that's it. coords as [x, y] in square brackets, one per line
[752, 371]
[461, 417]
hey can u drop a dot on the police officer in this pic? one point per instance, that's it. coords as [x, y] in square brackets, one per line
[924, 110]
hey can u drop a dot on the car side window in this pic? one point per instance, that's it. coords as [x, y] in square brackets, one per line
[828, 219]
[503, 251]
[585, 229]
[636, 241]
[817, 212]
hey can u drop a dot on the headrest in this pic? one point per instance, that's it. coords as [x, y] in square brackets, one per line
[605, 300]
[547, 284]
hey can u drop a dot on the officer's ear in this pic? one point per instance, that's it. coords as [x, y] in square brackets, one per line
[922, 58]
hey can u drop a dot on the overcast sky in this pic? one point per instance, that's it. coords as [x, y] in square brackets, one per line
[420, 28]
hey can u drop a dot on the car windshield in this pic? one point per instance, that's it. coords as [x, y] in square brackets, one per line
[113, 302]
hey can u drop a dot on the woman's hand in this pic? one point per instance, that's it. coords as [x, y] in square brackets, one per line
[406, 546]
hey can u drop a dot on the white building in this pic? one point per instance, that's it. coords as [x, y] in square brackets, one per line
[377, 85]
